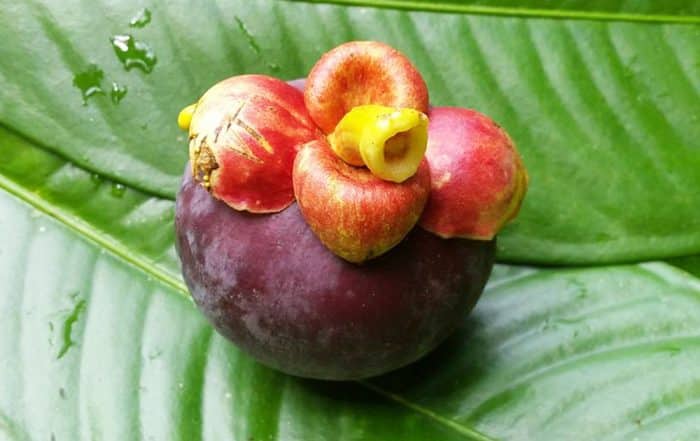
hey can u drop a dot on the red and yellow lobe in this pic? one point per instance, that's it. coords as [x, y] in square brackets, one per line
[244, 135]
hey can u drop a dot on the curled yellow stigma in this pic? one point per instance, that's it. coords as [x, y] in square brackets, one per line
[184, 118]
[390, 141]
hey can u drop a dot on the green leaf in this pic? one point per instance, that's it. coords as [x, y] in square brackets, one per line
[640, 10]
[604, 112]
[137, 226]
[690, 264]
[591, 354]
[105, 351]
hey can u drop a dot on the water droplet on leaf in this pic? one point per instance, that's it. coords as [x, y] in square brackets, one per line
[50, 333]
[89, 82]
[132, 53]
[251, 40]
[155, 354]
[118, 189]
[117, 93]
[141, 19]
[67, 330]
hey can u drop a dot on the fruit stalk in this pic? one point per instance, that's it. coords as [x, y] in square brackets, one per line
[390, 141]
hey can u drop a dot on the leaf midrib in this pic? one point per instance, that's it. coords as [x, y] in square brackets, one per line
[447, 422]
[444, 7]
[84, 229]
[122, 252]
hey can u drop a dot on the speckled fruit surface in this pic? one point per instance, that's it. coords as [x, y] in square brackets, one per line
[268, 284]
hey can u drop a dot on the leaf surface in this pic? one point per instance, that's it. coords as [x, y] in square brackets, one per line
[639, 10]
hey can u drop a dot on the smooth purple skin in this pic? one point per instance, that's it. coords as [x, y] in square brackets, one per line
[269, 285]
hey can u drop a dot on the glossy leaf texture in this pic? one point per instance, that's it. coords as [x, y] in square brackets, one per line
[580, 354]
[105, 350]
[604, 112]
[135, 225]
[690, 264]
[639, 10]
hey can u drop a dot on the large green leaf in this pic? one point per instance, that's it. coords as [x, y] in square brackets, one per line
[94, 347]
[605, 112]
[98, 339]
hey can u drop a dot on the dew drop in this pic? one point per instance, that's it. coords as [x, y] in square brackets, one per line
[89, 82]
[132, 53]
[42, 229]
[251, 40]
[155, 354]
[118, 190]
[548, 324]
[96, 178]
[141, 19]
[67, 329]
[671, 350]
[117, 93]
[274, 67]
[51, 333]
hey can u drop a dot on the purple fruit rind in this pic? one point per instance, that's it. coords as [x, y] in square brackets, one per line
[269, 285]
